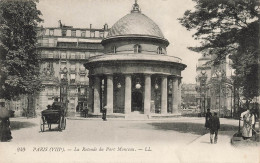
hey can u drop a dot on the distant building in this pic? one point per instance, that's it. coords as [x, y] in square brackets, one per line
[214, 86]
[189, 94]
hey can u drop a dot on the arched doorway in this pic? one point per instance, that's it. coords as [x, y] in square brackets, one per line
[137, 101]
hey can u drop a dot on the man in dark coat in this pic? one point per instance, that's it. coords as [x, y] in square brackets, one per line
[104, 113]
[207, 117]
[85, 111]
[214, 127]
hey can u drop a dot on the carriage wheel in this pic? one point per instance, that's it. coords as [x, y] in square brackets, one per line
[63, 123]
[60, 123]
[42, 124]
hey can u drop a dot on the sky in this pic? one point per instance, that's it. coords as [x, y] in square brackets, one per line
[82, 13]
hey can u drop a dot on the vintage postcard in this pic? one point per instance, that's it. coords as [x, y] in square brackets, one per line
[129, 81]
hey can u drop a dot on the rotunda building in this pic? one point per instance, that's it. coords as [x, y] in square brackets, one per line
[135, 74]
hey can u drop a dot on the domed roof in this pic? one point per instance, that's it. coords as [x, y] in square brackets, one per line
[136, 24]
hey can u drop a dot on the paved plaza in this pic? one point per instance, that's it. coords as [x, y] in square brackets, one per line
[179, 139]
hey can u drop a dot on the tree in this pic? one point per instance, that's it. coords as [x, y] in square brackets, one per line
[229, 28]
[19, 61]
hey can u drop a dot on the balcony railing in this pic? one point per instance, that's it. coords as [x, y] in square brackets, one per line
[72, 45]
[46, 44]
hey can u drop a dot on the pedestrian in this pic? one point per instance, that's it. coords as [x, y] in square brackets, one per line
[49, 107]
[214, 127]
[104, 113]
[85, 111]
[207, 118]
[248, 119]
[5, 131]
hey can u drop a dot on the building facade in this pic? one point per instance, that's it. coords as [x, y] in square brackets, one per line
[135, 74]
[189, 96]
[63, 51]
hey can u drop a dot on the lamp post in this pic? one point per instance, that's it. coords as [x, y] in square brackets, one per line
[64, 88]
[156, 88]
[102, 94]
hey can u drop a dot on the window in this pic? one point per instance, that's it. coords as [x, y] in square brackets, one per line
[64, 32]
[50, 55]
[159, 50]
[51, 32]
[43, 32]
[82, 68]
[92, 34]
[63, 65]
[62, 76]
[73, 33]
[113, 49]
[63, 55]
[49, 91]
[82, 91]
[72, 67]
[82, 56]
[101, 34]
[72, 78]
[72, 55]
[73, 91]
[83, 33]
[82, 78]
[137, 49]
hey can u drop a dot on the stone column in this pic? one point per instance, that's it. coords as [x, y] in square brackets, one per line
[90, 95]
[128, 94]
[179, 93]
[175, 97]
[110, 95]
[97, 95]
[164, 95]
[147, 94]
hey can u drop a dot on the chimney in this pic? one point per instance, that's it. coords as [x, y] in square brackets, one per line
[105, 27]
[90, 26]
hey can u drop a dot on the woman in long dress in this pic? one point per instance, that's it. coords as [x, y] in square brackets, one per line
[248, 122]
[5, 131]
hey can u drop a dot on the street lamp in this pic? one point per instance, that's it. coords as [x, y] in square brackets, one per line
[64, 87]
[102, 94]
[156, 89]
[138, 85]
[118, 85]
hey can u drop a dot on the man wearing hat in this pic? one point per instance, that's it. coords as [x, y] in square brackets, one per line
[104, 113]
[214, 127]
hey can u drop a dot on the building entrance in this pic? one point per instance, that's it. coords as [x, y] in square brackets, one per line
[137, 101]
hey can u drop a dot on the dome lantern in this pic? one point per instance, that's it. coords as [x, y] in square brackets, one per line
[135, 7]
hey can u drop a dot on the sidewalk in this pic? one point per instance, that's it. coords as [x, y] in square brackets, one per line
[223, 151]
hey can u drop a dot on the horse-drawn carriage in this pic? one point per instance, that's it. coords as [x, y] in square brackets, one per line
[54, 114]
